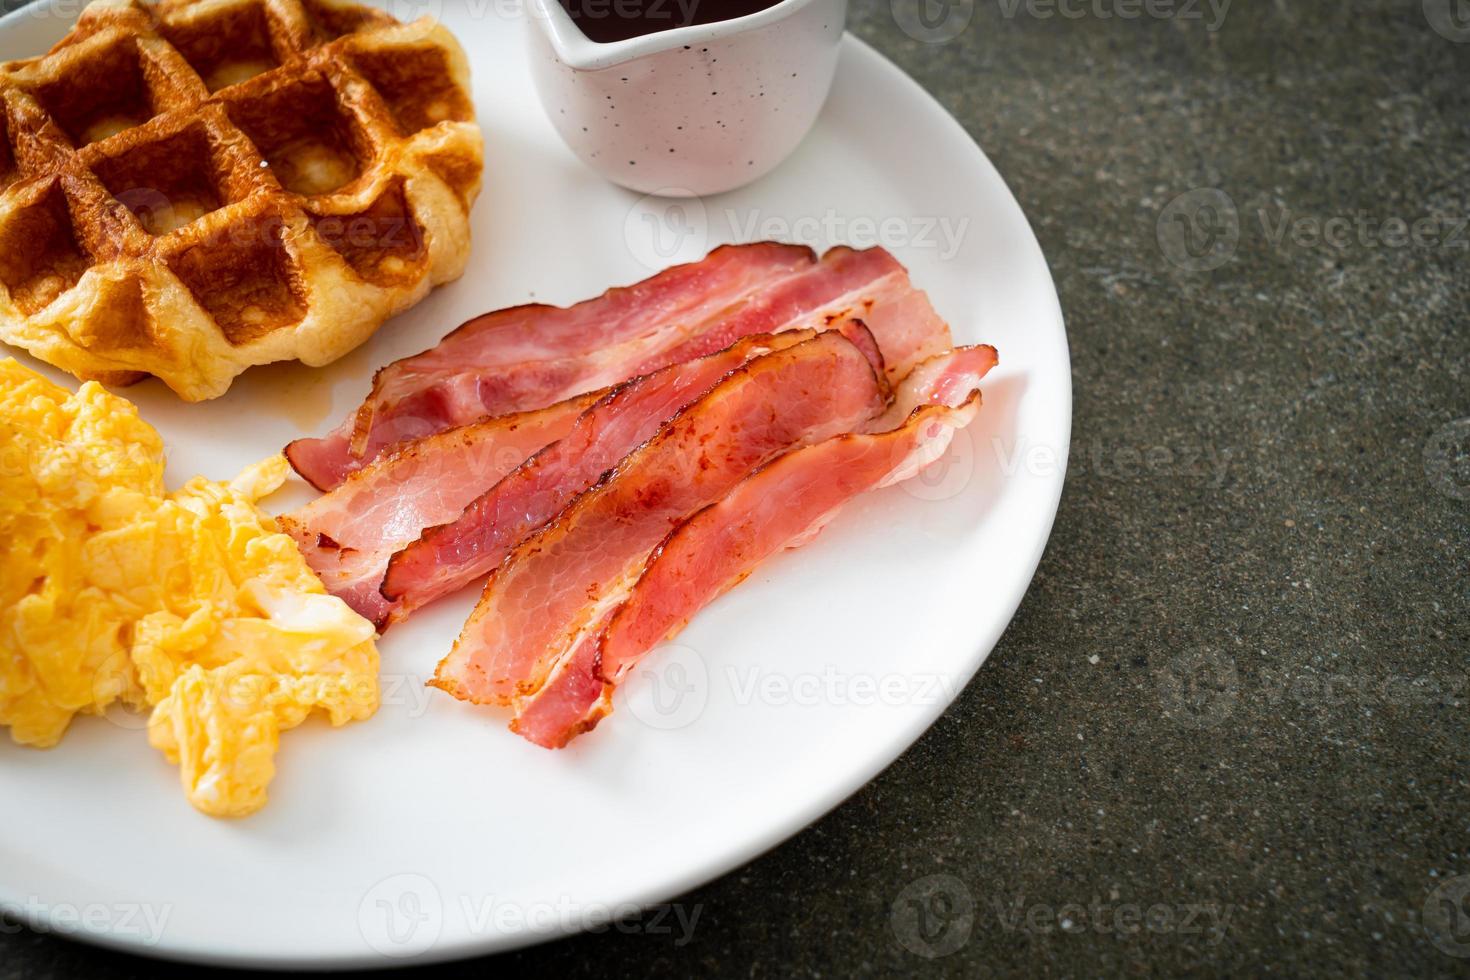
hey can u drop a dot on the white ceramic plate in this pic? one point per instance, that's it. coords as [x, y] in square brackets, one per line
[430, 831]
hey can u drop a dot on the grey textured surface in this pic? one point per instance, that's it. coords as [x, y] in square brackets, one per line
[1229, 725]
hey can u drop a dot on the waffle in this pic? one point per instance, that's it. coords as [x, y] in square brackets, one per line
[192, 187]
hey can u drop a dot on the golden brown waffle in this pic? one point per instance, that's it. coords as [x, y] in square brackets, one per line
[196, 186]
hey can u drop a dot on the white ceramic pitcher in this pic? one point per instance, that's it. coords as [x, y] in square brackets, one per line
[690, 111]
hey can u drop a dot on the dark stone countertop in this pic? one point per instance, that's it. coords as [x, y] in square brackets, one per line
[1228, 729]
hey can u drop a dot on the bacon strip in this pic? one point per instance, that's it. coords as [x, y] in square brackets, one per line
[471, 544]
[561, 578]
[530, 356]
[348, 535]
[573, 699]
[868, 285]
[782, 505]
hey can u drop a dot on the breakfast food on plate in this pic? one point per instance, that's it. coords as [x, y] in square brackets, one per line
[115, 592]
[781, 505]
[532, 356]
[481, 516]
[349, 534]
[192, 187]
[563, 578]
[744, 399]
[453, 555]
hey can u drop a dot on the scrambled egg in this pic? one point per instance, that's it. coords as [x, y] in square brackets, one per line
[114, 592]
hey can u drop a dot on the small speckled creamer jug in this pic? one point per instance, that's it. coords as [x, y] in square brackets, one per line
[690, 111]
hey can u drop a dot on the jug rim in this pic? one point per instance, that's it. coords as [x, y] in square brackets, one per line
[576, 50]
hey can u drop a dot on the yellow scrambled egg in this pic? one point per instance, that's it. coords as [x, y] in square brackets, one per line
[114, 592]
